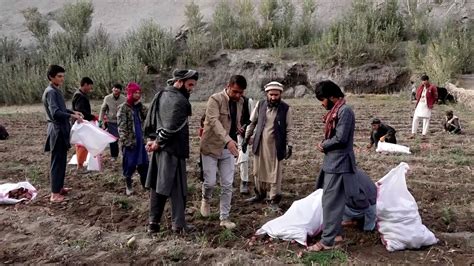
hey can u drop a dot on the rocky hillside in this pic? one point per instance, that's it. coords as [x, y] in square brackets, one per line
[119, 16]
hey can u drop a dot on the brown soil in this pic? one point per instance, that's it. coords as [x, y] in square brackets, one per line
[98, 220]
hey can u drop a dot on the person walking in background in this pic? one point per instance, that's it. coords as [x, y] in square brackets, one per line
[108, 116]
[81, 103]
[272, 122]
[167, 130]
[451, 123]
[59, 128]
[130, 117]
[219, 145]
[336, 177]
[413, 90]
[381, 132]
[426, 97]
[243, 158]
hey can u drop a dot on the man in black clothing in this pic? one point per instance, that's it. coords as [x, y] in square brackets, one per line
[381, 132]
[81, 103]
[167, 129]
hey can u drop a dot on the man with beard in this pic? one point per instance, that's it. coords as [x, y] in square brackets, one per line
[272, 122]
[339, 166]
[167, 128]
[59, 129]
[219, 145]
[108, 116]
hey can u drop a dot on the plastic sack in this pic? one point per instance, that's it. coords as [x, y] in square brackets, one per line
[29, 192]
[303, 218]
[93, 163]
[390, 147]
[243, 157]
[90, 136]
[399, 222]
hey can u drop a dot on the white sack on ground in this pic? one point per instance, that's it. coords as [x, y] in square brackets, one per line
[303, 218]
[93, 163]
[90, 136]
[390, 147]
[12, 193]
[399, 222]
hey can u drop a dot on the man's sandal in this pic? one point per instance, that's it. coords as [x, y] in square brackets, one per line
[321, 247]
[64, 191]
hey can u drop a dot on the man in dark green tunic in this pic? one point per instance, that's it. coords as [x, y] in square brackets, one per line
[167, 129]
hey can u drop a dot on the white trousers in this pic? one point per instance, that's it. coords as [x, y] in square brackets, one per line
[416, 122]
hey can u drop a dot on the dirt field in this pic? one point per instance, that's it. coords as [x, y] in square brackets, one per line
[95, 225]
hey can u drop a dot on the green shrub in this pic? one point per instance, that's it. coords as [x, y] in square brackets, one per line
[151, 44]
[37, 24]
[194, 18]
[304, 29]
[76, 17]
[365, 34]
[10, 49]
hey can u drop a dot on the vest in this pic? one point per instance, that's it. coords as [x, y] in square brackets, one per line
[279, 127]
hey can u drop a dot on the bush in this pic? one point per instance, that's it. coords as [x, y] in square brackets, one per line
[76, 18]
[9, 49]
[304, 29]
[194, 18]
[37, 24]
[152, 45]
[447, 55]
[366, 34]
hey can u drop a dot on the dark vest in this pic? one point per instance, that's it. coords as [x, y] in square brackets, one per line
[245, 118]
[279, 127]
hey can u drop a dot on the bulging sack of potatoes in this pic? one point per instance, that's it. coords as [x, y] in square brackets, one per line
[12, 193]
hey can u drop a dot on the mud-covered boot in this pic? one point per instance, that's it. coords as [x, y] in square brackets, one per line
[153, 228]
[244, 187]
[259, 197]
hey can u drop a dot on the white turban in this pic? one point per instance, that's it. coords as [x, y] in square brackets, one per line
[274, 85]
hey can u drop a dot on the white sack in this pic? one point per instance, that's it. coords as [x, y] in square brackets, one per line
[90, 136]
[93, 163]
[390, 147]
[399, 222]
[7, 187]
[303, 218]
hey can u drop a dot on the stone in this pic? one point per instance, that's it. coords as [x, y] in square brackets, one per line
[300, 91]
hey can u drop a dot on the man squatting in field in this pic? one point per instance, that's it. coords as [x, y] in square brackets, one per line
[57, 141]
[131, 115]
[219, 145]
[272, 121]
[336, 177]
[381, 132]
[81, 103]
[451, 123]
[108, 116]
[167, 129]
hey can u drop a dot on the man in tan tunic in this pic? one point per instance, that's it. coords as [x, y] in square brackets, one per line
[271, 120]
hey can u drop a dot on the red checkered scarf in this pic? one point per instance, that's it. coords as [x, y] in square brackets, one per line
[331, 117]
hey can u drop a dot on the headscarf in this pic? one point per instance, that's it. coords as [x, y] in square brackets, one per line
[331, 117]
[132, 87]
[180, 74]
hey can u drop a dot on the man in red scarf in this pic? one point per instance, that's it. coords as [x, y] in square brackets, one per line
[339, 166]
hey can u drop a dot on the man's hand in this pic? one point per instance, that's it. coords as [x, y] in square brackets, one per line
[78, 117]
[241, 130]
[232, 147]
[382, 139]
[289, 152]
[152, 146]
[320, 147]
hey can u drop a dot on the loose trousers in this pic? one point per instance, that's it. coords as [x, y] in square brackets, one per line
[58, 166]
[333, 202]
[416, 122]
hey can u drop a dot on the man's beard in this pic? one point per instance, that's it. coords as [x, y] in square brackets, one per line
[330, 105]
[185, 92]
[274, 103]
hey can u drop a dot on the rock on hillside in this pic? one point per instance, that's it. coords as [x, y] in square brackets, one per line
[298, 75]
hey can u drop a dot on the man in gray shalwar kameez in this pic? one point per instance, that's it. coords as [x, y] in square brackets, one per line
[337, 176]
[167, 128]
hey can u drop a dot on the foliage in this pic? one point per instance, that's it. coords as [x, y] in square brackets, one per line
[10, 49]
[325, 257]
[76, 18]
[36, 23]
